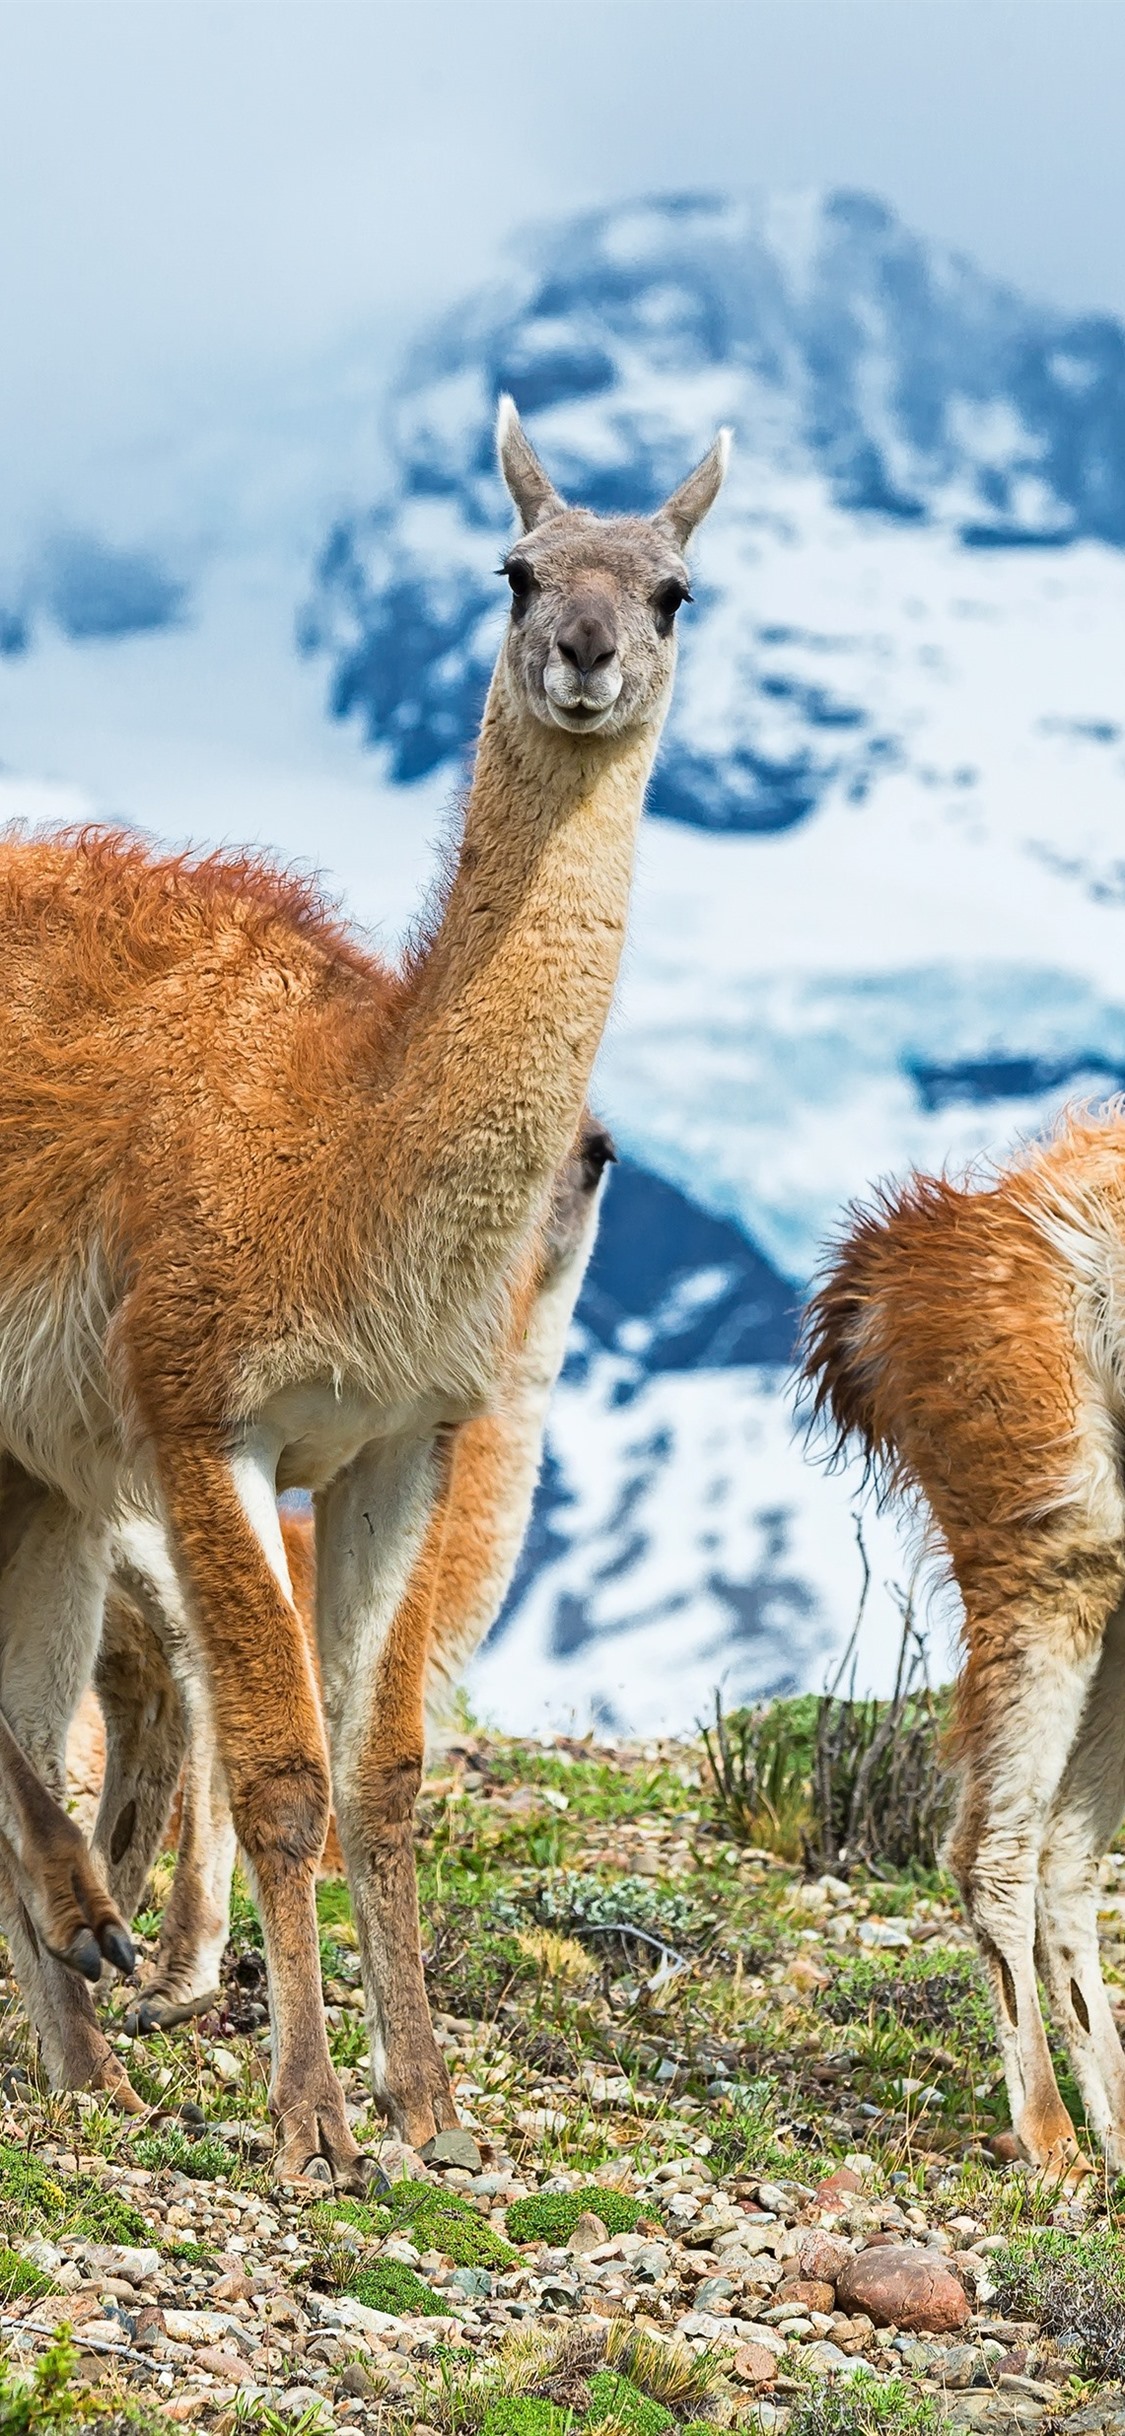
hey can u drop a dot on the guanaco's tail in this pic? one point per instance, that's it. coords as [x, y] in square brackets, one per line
[847, 1349]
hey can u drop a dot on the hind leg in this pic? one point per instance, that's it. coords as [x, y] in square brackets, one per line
[1086, 1812]
[1032, 1665]
[51, 1597]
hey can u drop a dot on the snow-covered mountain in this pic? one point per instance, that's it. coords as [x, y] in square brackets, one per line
[880, 905]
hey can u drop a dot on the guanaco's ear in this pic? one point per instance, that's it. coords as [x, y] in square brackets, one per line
[688, 506]
[534, 493]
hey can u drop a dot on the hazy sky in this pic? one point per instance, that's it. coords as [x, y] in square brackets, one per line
[194, 189]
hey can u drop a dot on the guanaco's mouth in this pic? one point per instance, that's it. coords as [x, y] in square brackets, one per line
[580, 717]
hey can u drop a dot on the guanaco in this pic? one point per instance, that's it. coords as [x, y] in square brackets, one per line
[265, 1206]
[970, 1338]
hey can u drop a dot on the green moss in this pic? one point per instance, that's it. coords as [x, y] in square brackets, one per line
[442, 2220]
[192, 2253]
[526, 2415]
[372, 2219]
[552, 2215]
[108, 2217]
[29, 2195]
[393, 2287]
[615, 2397]
[207, 2160]
[18, 2277]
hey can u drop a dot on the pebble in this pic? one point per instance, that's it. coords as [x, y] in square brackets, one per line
[822, 2257]
[826, 2358]
[589, 2234]
[754, 2364]
[113, 2259]
[355, 2380]
[196, 2325]
[226, 2364]
[453, 2148]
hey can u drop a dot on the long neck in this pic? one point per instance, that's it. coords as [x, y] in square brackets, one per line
[508, 1006]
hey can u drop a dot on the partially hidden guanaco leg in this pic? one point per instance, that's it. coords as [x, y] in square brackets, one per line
[222, 1517]
[374, 1608]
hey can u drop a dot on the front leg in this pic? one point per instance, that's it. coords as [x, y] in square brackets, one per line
[375, 1591]
[222, 1517]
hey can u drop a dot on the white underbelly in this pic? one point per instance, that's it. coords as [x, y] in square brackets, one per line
[319, 1430]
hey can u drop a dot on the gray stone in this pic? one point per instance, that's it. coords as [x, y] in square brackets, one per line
[474, 2282]
[112, 2258]
[453, 2148]
[559, 2292]
[713, 2288]
[356, 2382]
[962, 2365]
[42, 2254]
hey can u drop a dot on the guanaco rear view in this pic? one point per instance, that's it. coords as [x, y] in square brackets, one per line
[972, 1341]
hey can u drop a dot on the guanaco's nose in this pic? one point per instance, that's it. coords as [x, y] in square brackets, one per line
[587, 638]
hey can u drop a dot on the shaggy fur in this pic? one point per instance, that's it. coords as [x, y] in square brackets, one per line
[972, 1342]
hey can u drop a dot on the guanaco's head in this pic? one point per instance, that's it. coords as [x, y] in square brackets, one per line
[591, 644]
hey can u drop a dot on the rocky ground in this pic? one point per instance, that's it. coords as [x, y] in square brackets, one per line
[734, 2152]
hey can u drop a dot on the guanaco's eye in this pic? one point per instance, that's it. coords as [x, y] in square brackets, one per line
[666, 602]
[520, 578]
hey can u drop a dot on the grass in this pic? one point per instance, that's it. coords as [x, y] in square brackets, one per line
[866, 2406]
[1074, 2284]
[761, 1769]
[618, 2380]
[18, 2278]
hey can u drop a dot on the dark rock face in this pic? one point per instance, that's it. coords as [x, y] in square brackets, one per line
[684, 1288]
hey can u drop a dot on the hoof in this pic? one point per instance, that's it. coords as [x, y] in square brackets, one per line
[84, 1955]
[87, 1951]
[162, 2013]
[114, 2081]
[119, 1949]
